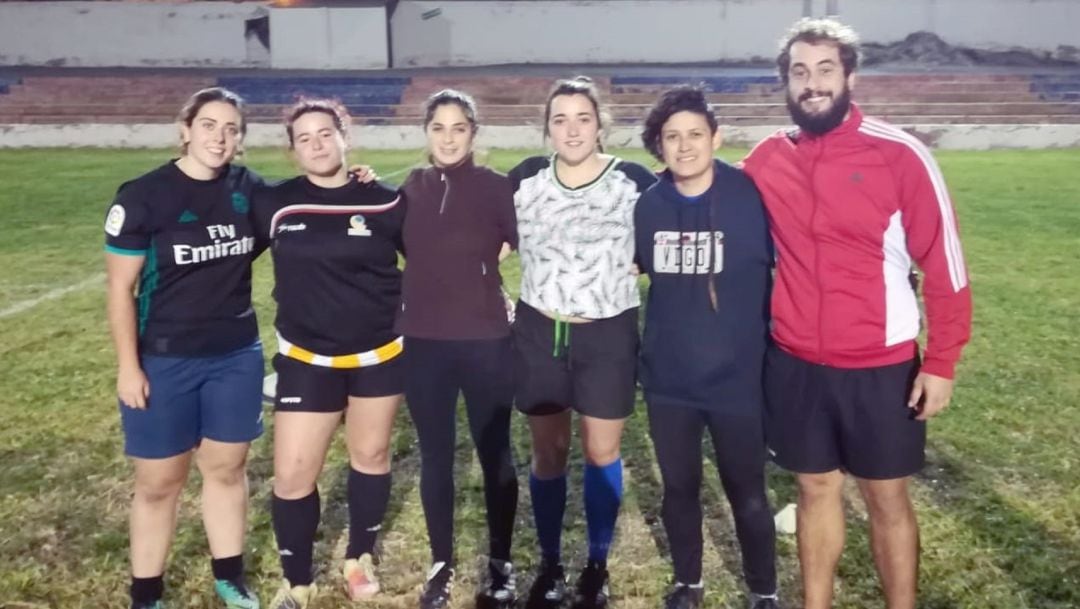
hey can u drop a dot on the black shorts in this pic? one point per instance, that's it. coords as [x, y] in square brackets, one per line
[593, 371]
[819, 419]
[305, 387]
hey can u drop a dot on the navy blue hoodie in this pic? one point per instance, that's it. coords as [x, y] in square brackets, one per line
[704, 348]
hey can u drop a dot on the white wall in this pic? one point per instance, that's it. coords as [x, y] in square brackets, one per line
[345, 38]
[197, 34]
[437, 32]
[433, 33]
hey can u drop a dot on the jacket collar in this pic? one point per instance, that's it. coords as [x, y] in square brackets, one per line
[465, 166]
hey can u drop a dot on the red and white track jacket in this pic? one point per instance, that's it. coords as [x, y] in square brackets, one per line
[849, 212]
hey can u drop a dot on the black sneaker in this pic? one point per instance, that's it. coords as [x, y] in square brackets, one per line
[592, 587]
[436, 593]
[764, 602]
[683, 596]
[549, 588]
[501, 589]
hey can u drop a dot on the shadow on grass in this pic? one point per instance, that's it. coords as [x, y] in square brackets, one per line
[638, 455]
[1044, 567]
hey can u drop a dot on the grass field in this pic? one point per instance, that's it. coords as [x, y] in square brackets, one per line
[999, 502]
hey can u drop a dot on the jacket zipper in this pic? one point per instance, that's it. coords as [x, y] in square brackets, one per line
[446, 193]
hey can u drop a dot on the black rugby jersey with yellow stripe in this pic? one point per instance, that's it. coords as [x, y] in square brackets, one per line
[335, 251]
[194, 293]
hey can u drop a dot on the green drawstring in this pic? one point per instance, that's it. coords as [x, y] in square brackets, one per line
[562, 338]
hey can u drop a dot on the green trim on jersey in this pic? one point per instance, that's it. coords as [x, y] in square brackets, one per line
[593, 182]
[148, 283]
[112, 249]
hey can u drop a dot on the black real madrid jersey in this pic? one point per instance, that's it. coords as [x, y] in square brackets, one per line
[194, 295]
[336, 278]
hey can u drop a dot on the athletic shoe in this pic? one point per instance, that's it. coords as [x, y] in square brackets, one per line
[501, 589]
[359, 576]
[235, 595]
[591, 591]
[436, 593]
[683, 596]
[296, 597]
[764, 602]
[152, 605]
[549, 588]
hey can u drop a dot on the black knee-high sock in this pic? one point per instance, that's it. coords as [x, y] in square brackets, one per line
[147, 590]
[368, 497]
[295, 523]
[230, 568]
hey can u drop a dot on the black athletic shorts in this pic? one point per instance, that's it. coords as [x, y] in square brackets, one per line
[303, 387]
[819, 419]
[590, 367]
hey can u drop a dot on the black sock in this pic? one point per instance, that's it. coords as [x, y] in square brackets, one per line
[147, 589]
[230, 568]
[295, 523]
[369, 495]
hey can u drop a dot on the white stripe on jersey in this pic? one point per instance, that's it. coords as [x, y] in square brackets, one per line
[901, 308]
[953, 253]
[328, 209]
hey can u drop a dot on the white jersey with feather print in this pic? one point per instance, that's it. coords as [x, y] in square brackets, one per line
[577, 244]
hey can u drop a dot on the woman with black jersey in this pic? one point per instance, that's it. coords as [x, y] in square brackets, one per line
[576, 332]
[335, 245]
[457, 337]
[190, 364]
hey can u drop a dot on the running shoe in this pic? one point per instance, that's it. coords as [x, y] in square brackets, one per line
[360, 580]
[436, 593]
[501, 589]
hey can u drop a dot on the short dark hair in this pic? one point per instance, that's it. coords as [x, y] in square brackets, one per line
[579, 85]
[200, 98]
[820, 31]
[684, 98]
[331, 107]
[451, 97]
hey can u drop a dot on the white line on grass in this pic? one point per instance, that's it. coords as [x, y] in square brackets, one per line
[26, 305]
[394, 174]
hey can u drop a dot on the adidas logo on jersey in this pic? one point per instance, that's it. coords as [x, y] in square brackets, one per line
[188, 216]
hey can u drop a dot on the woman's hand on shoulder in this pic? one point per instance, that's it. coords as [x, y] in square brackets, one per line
[365, 174]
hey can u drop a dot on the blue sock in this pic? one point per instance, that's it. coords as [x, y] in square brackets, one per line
[548, 504]
[603, 495]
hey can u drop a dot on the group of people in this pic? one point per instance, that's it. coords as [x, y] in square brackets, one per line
[782, 317]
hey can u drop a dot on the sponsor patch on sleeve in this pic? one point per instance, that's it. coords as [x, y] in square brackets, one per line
[114, 222]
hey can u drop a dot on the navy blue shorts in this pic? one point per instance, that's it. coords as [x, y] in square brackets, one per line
[819, 419]
[191, 398]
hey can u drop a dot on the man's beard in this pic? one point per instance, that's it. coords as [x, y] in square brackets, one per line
[819, 124]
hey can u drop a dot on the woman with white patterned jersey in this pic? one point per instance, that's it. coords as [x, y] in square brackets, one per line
[335, 245]
[576, 332]
[190, 363]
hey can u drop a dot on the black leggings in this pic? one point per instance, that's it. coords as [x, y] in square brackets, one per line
[482, 370]
[740, 458]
